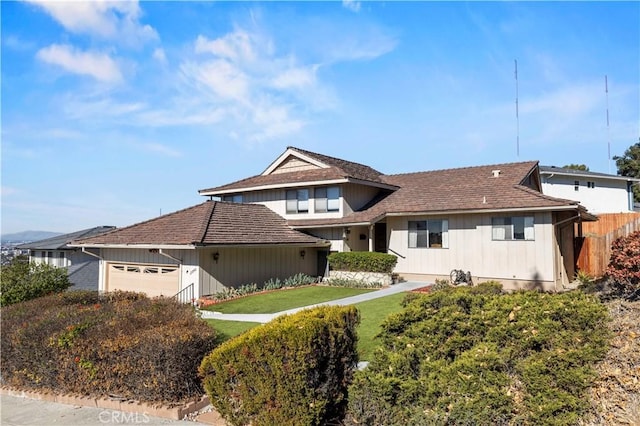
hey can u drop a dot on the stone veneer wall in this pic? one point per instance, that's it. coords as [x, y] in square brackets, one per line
[368, 277]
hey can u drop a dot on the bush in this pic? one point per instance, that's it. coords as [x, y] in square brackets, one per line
[21, 281]
[473, 356]
[362, 261]
[119, 343]
[292, 371]
[623, 270]
[347, 283]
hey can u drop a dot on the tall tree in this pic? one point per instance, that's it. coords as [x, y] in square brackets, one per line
[582, 167]
[629, 165]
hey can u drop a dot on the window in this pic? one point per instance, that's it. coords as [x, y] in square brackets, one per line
[429, 234]
[591, 184]
[327, 199]
[298, 201]
[576, 185]
[235, 198]
[512, 228]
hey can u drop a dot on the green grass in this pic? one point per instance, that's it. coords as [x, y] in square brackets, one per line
[372, 314]
[228, 329]
[281, 300]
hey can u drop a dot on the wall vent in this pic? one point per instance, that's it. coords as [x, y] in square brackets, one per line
[496, 173]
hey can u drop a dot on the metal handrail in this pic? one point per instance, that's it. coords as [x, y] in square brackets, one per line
[185, 295]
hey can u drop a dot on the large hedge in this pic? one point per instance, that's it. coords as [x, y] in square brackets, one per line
[362, 261]
[122, 344]
[294, 370]
[624, 265]
[466, 356]
[21, 281]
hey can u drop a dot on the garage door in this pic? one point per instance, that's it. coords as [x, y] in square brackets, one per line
[154, 280]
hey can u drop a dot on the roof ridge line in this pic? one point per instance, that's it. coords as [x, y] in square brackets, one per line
[207, 221]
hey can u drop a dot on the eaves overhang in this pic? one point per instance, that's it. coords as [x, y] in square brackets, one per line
[138, 246]
[206, 192]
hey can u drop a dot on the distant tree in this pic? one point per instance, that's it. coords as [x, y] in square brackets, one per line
[629, 165]
[582, 167]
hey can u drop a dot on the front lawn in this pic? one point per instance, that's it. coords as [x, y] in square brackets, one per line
[372, 314]
[282, 300]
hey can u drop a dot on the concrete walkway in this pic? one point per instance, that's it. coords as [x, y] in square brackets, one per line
[264, 318]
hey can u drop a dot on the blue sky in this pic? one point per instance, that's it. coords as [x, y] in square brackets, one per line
[114, 112]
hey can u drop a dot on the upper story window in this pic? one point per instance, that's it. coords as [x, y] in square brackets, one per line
[576, 185]
[591, 184]
[429, 234]
[235, 198]
[512, 228]
[298, 201]
[327, 199]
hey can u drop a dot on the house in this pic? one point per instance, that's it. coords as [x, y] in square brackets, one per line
[202, 250]
[493, 221]
[55, 251]
[598, 192]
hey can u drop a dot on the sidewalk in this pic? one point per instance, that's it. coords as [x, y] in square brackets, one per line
[264, 318]
[16, 411]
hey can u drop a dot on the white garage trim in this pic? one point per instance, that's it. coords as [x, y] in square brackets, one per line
[154, 280]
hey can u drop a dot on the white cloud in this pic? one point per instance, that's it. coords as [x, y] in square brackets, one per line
[236, 46]
[114, 20]
[351, 5]
[159, 55]
[161, 149]
[7, 190]
[97, 65]
[296, 77]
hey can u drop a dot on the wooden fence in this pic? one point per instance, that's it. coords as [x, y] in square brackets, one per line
[594, 249]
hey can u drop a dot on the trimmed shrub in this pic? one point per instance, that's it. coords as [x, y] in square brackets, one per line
[120, 343]
[623, 270]
[294, 370]
[22, 281]
[347, 283]
[362, 261]
[469, 355]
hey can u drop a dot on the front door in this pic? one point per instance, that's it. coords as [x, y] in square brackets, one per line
[380, 237]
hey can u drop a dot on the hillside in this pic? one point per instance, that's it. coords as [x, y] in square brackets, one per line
[27, 236]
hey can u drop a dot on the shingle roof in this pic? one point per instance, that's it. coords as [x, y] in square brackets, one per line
[208, 223]
[338, 169]
[60, 242]
[462, 189]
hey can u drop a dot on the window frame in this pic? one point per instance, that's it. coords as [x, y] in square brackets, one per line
[301, 203]
[327, 202]
[233, 198]
[512, 230]
[424, 230]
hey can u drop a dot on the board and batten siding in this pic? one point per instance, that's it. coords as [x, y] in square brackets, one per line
[189, 270]
[471, 248]
[238, 266]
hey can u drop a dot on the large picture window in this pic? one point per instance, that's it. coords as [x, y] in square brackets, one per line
[327, 199]
[429, 234]
[512, 228]
[298, 201]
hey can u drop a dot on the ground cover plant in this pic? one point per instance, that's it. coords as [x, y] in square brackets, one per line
[282, 300]
[292, 371]
[463, 356]
[121, 344]
[21, 281]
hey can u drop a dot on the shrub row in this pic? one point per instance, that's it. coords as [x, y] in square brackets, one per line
[292, 371]
[347, 283]
[21, 281]
[362, 261]
[229, 293]
[472, 356]
[119, 343]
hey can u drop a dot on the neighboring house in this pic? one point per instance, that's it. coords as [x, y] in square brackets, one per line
[202, 250]
[493, 221]
[82, 267]
[598, 192]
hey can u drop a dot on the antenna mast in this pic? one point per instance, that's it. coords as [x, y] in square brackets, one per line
[517, 115]
[606, 91]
